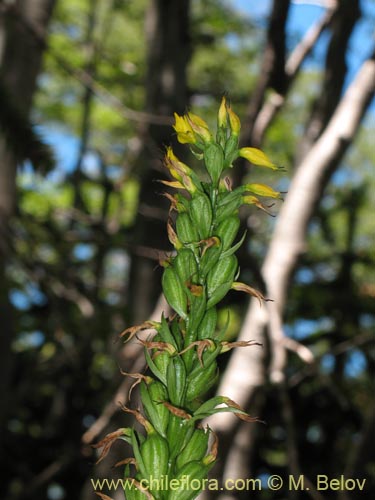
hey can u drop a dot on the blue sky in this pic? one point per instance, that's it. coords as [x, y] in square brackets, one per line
[303, 14]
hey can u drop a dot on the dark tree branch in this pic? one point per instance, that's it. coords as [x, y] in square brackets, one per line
[342, 25]
[292, 67]
[272, 72]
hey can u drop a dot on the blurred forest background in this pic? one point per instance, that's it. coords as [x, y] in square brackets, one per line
[87, 93]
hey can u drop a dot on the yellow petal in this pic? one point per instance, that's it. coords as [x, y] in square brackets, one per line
[185, 134]
[257, 157]
[197, 120]
[262, 190]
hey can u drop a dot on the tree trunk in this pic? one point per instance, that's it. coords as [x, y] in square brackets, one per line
[273, 67]
[23, 27]
[167, 31]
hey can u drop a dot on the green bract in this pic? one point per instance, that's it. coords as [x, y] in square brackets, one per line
[182, 356]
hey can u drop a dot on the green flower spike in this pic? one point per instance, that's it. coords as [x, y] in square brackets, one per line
[203, 227]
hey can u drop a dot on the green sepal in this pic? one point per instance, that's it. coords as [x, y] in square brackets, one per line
[219, 293]
[228, 205]
[131, 491]
[137, 454]
[231, 150]
[176, 380]
[224, 270]
[165, 333]
[201, 214]
[159, 373]
[209, 259]
[178, 433]
[234, 248]
[208, 358]
[196, 313]
[198, 156]
[195, 449]
[209, 408]
[207, 326]
[196, 469]
[152, 396]
[221, 136]
[183, 202]
[201, 382]
[221, 334]
[177, 333]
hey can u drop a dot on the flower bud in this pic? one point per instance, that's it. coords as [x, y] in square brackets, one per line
[234, 121]
[222, 114]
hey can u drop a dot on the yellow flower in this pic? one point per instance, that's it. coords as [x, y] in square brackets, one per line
[185, 133]
[191, 128]
[262, 190]
[257, 157]
[181, 172]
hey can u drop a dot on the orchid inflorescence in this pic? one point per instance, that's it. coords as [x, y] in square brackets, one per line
[182, 356]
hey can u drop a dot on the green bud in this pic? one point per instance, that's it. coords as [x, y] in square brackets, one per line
[201, 214]
[207, 326]
[174, 291]
[186, 266]
[227, 230]
[214, 160]
[186, 230]
[220, 279]
[192, 470]
[155, 455]
[195, 449]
